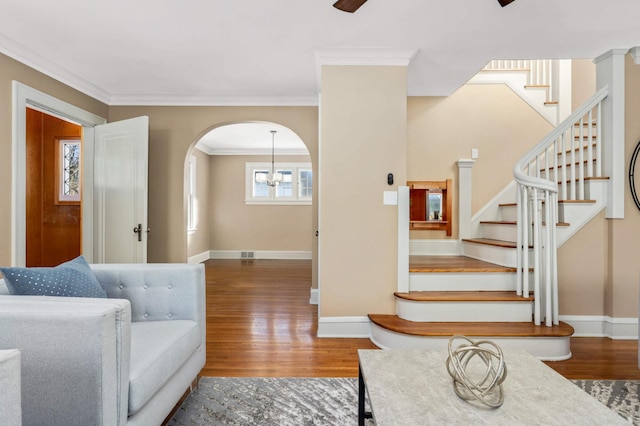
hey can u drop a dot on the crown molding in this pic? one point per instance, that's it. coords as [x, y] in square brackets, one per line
[635, 54]
[249, 151]
[215, 99]
[610, 53]
[22, 54]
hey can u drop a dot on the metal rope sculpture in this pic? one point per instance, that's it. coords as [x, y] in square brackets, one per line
[469, 381]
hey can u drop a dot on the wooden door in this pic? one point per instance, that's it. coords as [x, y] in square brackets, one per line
[53, 228]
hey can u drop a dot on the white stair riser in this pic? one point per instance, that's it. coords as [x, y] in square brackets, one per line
[509, 213]
[462, 281]
[543, 348]
[500, 231]
[499, 255]
[464, 311]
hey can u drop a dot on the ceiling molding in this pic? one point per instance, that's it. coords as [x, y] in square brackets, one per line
[635, 54]
[609, 54]
[215, 99]
[361, 56]
[212, 151]
[26, 56]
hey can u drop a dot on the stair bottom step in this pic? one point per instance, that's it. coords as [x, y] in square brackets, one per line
[447, 329]
[545, 343]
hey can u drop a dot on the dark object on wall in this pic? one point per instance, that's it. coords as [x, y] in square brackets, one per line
[504, 3]
[390, 178]
[349, 5]
[632, 170]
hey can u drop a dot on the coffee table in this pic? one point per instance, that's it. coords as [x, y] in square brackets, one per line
[412, 387]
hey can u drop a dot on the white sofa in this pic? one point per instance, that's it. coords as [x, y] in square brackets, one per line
[127, 359]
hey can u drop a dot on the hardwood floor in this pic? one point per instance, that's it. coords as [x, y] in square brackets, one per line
[260, 324]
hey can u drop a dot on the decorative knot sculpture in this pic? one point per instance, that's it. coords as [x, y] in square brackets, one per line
[477, 381]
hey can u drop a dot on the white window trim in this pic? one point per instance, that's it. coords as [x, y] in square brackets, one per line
[249, 199]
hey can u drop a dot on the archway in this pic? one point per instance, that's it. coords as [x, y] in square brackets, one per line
[222, 219]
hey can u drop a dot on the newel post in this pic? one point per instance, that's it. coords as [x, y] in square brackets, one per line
[464, 198]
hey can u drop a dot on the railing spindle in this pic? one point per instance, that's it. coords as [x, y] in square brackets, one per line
[590, 145]
[581, 161]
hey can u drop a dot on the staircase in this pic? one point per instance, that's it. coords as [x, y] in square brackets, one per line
[503, 285]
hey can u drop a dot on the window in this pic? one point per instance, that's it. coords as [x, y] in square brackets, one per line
[191, 200]
[295, 187]
[68, 172]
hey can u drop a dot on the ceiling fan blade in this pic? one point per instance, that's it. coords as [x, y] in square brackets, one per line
[350, 5]
[504, 3]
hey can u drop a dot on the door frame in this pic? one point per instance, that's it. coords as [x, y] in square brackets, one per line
[23, 97]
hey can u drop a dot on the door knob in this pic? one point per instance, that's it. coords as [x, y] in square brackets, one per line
[138, 230]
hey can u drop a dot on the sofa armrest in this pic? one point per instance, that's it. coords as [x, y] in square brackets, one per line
[157, 292]
[75, 357]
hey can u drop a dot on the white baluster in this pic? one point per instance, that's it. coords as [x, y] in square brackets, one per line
[590, 145]
[599, 141]
[581, 161]
[536, 257]
[563, 181]
[573, 164]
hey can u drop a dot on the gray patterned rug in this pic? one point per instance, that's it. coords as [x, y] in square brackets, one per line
[298, 402]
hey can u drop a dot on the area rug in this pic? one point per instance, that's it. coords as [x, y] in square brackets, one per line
[328, 402]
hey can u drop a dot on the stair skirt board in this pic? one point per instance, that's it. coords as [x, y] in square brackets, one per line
[480, 311]
[462, 281]
[543, 348]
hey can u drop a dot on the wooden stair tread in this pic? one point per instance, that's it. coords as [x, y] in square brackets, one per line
[470, 329]
[463, 296]
[490, 242]
[551, 103]
[586, 179]
[453, 264]
[507, 222]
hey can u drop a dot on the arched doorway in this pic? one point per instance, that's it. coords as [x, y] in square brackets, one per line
[230, 215]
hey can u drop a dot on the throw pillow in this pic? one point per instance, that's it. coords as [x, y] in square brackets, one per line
[72, 279]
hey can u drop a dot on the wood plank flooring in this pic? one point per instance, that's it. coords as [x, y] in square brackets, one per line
[260, 324]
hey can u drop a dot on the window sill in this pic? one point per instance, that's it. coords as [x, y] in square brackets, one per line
[277, 203]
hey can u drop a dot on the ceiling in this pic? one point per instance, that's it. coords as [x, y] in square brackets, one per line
[253, 138]
[259, 52]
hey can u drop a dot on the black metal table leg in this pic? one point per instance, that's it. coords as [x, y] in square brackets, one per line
[361, 397]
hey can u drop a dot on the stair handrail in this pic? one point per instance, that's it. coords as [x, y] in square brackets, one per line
[536, 192]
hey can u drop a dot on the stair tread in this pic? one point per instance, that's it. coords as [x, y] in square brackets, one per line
[463, 296]
[470, 329]
[453, 264]
[491, 242]
[508, 222]
[586, 179]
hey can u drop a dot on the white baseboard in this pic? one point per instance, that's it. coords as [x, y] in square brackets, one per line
[602, 326]
[434, 247]
[315, 295]
[259, 254]
[199, 258]
[358, 327]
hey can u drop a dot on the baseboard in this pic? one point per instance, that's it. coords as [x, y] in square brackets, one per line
[358, 327]
[315, 295]
[259, 254]
[434, 247]
[602, 326]
[199, 258]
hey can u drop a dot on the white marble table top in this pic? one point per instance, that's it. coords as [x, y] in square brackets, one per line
[412, 387]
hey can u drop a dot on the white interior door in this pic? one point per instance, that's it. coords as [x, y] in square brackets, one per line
[120, 191]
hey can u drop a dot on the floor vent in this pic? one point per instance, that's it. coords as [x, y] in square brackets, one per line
[246, 255]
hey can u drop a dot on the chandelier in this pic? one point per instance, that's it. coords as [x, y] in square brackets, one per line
[274, 178]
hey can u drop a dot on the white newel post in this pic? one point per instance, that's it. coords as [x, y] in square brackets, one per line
[610, 72]
[464, 198]
[403, 239]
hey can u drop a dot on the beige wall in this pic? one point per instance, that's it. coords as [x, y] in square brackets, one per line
[489, 117]
[173, 130]
[234, 225]
[12, 70]
[583, 81]
[363, 127]
[198, 239]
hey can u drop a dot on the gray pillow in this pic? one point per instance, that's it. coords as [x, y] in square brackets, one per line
[73, 279]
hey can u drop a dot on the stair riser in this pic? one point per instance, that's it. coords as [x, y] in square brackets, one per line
[544, 348]
[464, 311]
[494, 254]
[509, 213]
[462, 281]
[503, 232]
